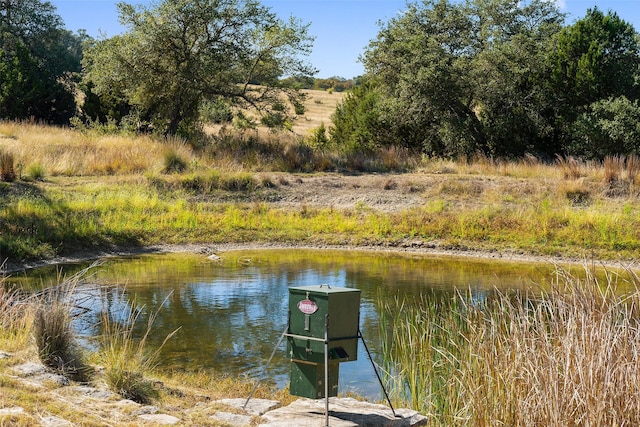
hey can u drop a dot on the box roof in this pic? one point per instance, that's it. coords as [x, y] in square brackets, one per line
[324, 289]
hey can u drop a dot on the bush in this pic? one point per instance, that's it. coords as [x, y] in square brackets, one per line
[609, 127]
[7, 167]
[216, 112]
[35, 171]
[173, 162]
[126, 359]
[318, 137]
[55, 340]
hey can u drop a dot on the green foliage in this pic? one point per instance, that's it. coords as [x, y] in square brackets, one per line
[357, 122]
[28, 92]
[106, 111]
[37, 59]
[421, 61]
[609, 127]
[500, 77]
[178, 54]
[318, 137]
[595, 59]
[216, 111]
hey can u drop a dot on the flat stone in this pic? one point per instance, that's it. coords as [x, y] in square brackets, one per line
[254, 407]
[29, 369]
[343, 412]
[93, 392]
[146, 410]
[5, 355]
[14, 410]
[55, 379]
[235, 420]
[52, 421]
[160, 419]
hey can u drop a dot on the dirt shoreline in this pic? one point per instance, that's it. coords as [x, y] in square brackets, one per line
[385, 193]
[416, 248]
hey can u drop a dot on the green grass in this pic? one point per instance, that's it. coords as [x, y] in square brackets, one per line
[102, 192]
[53, 220]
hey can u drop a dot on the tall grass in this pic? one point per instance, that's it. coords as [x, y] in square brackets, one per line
[7, 166]
[564, 356]
[68, 152]
[126, 357]
[53, 331]
[15, 318]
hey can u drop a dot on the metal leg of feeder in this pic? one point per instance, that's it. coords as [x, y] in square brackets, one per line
[264, 373]
[377, 374]
[326, 370]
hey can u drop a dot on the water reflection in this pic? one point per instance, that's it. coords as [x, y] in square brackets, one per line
[232, 311]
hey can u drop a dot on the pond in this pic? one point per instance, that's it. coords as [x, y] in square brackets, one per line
[231, 311]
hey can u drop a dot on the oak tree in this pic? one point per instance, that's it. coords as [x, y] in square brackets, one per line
[178, 54]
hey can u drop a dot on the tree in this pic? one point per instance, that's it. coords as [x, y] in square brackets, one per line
[37, 61]
[514, 103]
[595, 59]
[456, 78]
[608, 127]
[420, 61]
[26, 91]
[180, 53]
[357, 125]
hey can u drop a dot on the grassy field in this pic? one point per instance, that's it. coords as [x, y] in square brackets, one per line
[84, 192]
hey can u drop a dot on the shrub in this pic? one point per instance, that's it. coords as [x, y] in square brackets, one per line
[125, 358]
[55, 340]
[35, 171]
[7, 167]
[217, 111]
[298, 157]
[318, 137]
[173, 162]
[609, 127]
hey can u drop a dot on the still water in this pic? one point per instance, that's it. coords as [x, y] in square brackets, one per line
[231, 311]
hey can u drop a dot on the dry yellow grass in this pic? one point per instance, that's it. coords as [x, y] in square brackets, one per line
[319, 107]
[63, 151]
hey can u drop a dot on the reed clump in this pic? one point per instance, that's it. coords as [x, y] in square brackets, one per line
[563, 356]
[7, 166]
[53, 331]
[126, 357]
[15, 317]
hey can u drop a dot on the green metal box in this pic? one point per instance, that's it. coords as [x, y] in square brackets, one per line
[307, 379]
[310, 307]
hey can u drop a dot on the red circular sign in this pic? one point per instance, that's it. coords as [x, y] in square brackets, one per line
[307, 306]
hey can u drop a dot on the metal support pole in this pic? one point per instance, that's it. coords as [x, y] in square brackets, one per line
[264, 372]
[326, 370]
[377, 374]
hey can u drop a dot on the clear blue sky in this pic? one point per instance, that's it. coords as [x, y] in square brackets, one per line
[342, 28]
